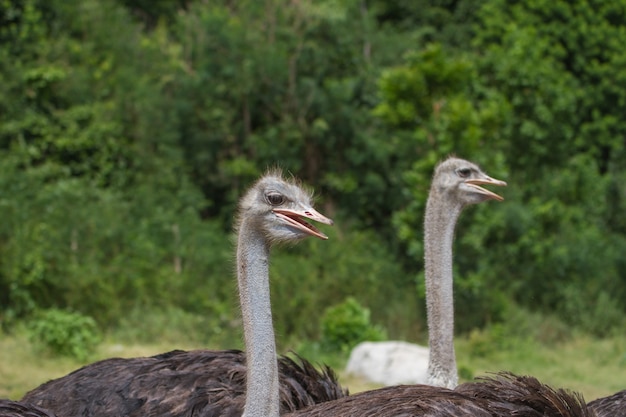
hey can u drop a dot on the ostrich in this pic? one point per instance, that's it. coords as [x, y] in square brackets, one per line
[612, 406]
[508, 394]
[456, 184]
[9, 408]
[503, 395]
[212, 383]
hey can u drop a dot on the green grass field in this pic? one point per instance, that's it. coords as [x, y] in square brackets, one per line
[593, 367]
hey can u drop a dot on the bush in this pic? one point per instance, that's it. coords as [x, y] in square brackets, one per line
[522, 327]
[65, 333]
[347, 324]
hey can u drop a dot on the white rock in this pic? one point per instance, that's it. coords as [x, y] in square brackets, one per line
[389, 363]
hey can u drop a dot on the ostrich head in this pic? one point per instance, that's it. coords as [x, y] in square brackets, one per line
[456, 184]
[273, 210]
[461, 181]
[278, 208]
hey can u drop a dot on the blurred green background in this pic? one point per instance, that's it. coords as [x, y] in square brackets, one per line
[129, 128]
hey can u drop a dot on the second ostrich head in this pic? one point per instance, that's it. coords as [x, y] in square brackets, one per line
[456, 184]
[459, 181]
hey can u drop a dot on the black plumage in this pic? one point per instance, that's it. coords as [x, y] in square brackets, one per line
[507, 394]
[612, 406]
[178, 383]
[504, 395]
[9, 408]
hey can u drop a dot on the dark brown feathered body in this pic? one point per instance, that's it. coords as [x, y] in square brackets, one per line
[506, 394]
[503, 395]
[399, 401]
[611, 406]
[178, 383]
[10, 408]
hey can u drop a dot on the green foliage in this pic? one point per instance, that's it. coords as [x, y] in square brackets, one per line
[521, 331]
[129, 129]
[290, 86]
[314, 275]
[118, 250]
[447, 21]
[566, 258]
[347, 324]
[528, 103]
[544, 57]
[65, 333]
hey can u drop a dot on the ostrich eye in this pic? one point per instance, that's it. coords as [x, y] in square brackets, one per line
[463, 172]
[275, 199]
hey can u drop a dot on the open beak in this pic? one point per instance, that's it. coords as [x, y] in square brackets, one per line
[296, 218]
[486, 180]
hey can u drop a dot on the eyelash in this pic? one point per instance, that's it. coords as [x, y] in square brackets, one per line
[275, 199]
[464, 172]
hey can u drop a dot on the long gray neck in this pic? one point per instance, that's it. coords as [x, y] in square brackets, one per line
[439, 224]
[254, 294]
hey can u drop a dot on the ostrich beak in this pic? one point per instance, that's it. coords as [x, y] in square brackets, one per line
[296, 219]
[486, 180]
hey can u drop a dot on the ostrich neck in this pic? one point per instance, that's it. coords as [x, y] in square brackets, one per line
[439, 227]
[254, 293]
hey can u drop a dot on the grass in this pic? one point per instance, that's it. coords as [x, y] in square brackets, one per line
[22, 367]
[594, 367]
[591, 366]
